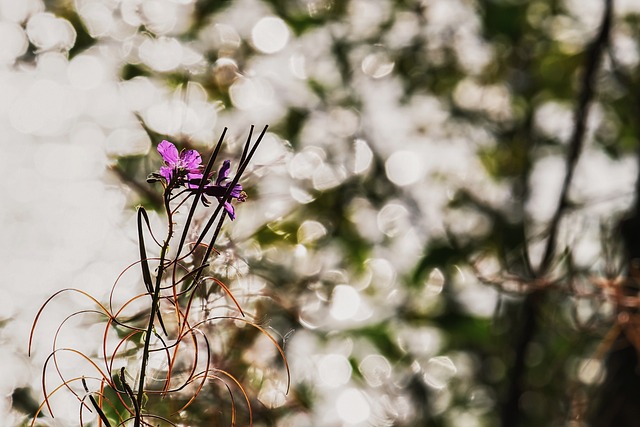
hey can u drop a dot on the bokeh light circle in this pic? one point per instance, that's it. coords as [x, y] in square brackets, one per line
[46, 31]
[13, 42]
[352, 406]
[404, 168]
[345, 302]
[335, 370]
[270, 34]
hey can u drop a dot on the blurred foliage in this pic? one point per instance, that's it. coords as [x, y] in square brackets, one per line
[535, 51]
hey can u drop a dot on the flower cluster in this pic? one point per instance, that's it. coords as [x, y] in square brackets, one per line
[185, 169]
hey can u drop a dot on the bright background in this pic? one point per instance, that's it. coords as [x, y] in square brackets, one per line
[413, 146]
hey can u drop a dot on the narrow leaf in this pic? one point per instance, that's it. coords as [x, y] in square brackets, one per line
[144, 263]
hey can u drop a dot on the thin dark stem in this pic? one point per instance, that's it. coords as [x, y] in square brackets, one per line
[96, 406]
[127, 389]
[200, 191]
[226, 198]
[227, 195]
[155, 306]
[245, 150]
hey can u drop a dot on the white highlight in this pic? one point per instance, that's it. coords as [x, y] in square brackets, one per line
[13, 42]
[272, 394]
[439, 371]
[345, 302]
[334, 370]
[86, 72]
[352, 406]
[42, 110]
[249, 93]
[310, 231]
[375, 369]
[270, 35]
[19, 11]
[363, 156]
[46, 31]
[161, 54]
[377, 65]
[97, 18]
[404, 168]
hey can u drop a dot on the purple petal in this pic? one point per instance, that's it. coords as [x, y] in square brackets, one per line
[192, 175]
[193, 179]
[169, 152]
[166, 172]
[191, 160]
[236, 191]
[230, 210]
[224, 172]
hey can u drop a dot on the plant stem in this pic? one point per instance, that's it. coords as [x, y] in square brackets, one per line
[155, 306]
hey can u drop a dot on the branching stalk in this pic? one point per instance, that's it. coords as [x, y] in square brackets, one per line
[155, 306]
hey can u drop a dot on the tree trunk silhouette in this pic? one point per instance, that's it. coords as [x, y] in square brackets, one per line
[619, 396]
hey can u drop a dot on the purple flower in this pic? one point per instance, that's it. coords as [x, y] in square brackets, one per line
[186, 164]
[220, 187]
[185, 168]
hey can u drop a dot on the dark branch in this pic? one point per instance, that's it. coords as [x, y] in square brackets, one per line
[581, 114]
[510, 410]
